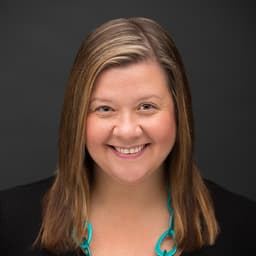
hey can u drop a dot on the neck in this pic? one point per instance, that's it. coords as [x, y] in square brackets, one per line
[126, 198]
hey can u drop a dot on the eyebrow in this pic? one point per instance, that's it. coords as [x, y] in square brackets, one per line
[139, 99]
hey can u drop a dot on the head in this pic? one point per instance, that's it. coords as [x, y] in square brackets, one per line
[119, 43]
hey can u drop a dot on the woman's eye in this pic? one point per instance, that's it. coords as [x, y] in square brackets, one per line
[103, 109]
[147, 106]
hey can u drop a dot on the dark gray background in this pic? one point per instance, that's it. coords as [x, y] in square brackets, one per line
[217, 40]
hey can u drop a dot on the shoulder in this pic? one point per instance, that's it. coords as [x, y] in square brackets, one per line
[20, 215]
[227, 202]
[236, 216]
[24, 198]
[222, 196]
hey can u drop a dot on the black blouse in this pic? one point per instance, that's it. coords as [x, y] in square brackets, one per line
[20, 220]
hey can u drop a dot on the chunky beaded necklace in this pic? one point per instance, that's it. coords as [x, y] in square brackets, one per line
[85, 245]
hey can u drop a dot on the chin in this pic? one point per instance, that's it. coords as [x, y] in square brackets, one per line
[131, 179]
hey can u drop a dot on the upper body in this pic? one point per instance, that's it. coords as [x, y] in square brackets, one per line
[126, 170]
[21, 215]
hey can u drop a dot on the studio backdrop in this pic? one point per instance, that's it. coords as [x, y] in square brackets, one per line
[216, 39]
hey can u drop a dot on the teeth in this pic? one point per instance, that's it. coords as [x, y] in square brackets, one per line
[129, 150]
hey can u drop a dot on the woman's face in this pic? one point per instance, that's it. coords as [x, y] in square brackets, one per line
[131, 124]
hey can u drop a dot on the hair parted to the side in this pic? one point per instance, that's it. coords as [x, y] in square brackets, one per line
[122, 42]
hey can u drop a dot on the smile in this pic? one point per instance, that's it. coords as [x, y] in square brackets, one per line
[128, 151]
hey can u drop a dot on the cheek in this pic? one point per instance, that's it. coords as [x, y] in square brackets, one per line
[97, 131]
[164, 129]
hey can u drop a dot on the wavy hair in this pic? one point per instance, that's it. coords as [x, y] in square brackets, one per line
[122, 42]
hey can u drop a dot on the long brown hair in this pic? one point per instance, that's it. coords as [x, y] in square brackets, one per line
[116, 43]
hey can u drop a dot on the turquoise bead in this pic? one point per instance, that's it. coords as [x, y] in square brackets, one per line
[158, 250]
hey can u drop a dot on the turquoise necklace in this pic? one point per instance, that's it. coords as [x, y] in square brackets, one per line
[85, 245]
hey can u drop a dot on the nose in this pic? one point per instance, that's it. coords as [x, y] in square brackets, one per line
[127, 126]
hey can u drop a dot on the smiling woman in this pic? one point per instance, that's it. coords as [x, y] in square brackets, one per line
[126, 180]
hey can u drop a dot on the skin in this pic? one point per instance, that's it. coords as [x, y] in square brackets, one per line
[130, 109]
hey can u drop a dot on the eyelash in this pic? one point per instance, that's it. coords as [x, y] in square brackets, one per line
[106, 109]
[152, 106]
[103, 108]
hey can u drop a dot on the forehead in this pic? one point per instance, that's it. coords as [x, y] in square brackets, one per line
[137, 78]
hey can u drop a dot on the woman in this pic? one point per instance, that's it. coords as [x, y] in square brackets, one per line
[126, 181]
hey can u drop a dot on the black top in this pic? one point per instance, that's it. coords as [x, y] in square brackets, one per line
[20, 219]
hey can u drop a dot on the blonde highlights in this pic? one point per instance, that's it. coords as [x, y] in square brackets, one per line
[122, 42]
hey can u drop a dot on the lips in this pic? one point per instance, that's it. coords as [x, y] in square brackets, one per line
[127, 151]
[130, 150]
